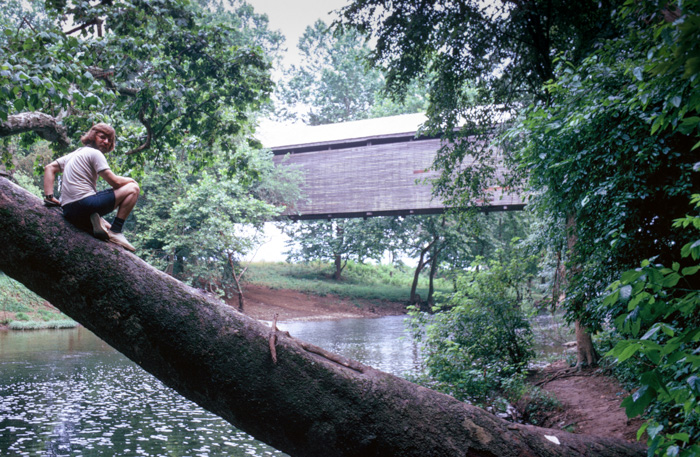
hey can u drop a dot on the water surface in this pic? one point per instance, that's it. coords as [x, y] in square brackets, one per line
[67, 393]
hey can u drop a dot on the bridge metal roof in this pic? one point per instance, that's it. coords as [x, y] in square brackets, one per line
[282, 138]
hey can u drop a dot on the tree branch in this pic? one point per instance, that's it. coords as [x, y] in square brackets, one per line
[149, 133]
[99, 73]
[97, 21]
[47, 127]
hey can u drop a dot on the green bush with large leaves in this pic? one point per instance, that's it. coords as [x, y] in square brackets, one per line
[661, 327]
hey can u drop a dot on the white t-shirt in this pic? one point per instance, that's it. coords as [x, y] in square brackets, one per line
[80, 172]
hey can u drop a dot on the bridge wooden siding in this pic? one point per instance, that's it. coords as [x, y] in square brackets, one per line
[374, 167]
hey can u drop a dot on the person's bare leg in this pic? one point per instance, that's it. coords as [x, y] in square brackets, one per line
[125, 199]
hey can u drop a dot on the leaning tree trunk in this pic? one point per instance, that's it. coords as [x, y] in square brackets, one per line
[307, 403]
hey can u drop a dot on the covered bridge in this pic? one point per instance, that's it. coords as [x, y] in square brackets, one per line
[373, 167]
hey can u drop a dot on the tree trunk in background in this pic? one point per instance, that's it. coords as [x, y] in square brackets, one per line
[307, 403]
[415, 298]
[585, 352]
[338, 262]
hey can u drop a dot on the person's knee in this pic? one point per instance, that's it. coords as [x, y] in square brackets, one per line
[134, 189]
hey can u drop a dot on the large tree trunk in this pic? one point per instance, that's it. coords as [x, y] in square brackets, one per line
[307, 403]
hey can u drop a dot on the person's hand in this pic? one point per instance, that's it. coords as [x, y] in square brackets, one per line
[50, 200]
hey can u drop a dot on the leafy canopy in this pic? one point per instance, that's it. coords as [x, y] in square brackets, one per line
[159, 71]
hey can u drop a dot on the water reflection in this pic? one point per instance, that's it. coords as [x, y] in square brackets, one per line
[381, 343]
[67, 393]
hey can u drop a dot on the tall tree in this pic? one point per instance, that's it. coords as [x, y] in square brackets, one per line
[483, 62]
[334, 83]
[505, 50]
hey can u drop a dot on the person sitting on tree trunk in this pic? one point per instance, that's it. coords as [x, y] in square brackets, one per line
[82, 205]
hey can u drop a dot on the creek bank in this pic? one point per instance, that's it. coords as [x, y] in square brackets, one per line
[263, 303]
[589, 400]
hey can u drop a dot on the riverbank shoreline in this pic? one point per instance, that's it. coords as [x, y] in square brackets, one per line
[264, 303]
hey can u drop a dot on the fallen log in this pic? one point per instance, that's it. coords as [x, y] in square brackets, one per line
[305, 404]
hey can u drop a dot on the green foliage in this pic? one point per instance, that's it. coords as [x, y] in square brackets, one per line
[480, 339]
[21, 308]
[14, 297]
[597, 157]
[335, 84]
[362, 281]
[661, 324]
[34, 325]
[21, 317]
[337, 241]
[197, 227]
[481, 64]
[28, 183]
[162, 73]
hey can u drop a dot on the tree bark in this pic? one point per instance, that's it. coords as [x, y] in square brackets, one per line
[308, 403]
[413, 298]
[585, 351]
[47, 127]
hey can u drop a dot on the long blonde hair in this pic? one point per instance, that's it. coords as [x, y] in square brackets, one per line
[89, 137]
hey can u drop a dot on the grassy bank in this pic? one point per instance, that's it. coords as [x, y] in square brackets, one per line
[22, 309]
[360, 281]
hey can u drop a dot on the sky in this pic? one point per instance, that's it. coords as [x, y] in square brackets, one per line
[292, 17]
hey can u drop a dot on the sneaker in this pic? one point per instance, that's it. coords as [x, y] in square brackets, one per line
[118, 238]
[99, 229]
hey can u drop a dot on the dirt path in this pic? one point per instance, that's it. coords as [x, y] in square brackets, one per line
[590, 403]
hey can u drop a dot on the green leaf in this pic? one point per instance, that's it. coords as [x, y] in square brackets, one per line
[694, 383]
[687, 271]
[680, 437]
[612, 298]
[628, 352]
[638, 73]
[641, 430]
[671, 280]
[636, 403]
[19, 104]
[654, 430]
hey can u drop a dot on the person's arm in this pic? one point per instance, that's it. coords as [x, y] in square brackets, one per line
[113, 180]
[50, 172]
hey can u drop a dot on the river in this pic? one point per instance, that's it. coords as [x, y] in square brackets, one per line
[67, 393]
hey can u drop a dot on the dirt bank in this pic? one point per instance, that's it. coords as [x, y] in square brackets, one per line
[590, 402]
[290, 305]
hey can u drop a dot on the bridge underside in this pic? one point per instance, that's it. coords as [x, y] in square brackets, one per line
[369, 175]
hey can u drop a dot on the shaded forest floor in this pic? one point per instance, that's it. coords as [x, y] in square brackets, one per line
[589, 400]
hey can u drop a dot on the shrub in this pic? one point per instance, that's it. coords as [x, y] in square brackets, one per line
[660, 331]
[480, 338]
[35, 325]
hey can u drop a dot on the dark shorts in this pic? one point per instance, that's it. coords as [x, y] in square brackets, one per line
[78, 213]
